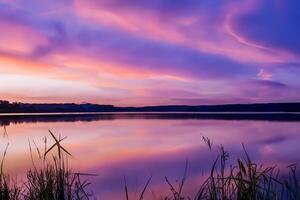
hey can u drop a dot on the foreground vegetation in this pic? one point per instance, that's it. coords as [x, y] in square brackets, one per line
[244, 180]
[54, 180]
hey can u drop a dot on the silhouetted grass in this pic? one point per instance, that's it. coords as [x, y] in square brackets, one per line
[53, 181]
[8, 189]
[244, 180]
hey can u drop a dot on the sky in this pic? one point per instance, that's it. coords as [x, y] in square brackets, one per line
[150, 52]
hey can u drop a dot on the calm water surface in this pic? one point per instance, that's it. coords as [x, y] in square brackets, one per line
[141, 145]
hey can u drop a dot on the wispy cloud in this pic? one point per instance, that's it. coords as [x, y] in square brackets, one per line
[127, 46]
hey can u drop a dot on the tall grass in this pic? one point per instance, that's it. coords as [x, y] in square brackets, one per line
[8, 189]
[246, 180]
[54, 180]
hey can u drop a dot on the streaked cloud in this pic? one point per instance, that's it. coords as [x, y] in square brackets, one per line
[200, 52]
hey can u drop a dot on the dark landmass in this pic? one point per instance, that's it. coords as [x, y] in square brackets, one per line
[7, 107]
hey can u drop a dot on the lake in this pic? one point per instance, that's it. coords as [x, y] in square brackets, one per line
[140, 145]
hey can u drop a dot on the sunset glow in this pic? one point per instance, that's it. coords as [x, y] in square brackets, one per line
[158, 52]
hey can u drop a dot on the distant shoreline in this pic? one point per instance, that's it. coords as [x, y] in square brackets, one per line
[149, 113]
[7, 107]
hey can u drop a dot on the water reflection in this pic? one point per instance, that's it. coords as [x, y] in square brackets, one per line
[138, 146]
[7, 119]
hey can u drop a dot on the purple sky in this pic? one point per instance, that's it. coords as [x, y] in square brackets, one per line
[142, 52]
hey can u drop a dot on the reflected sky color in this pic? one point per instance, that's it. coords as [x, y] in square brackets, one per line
[138, 148]
[143, 52]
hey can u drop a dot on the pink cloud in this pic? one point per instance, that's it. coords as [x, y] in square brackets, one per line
[264, 75]
[18, 38]
[215, 37]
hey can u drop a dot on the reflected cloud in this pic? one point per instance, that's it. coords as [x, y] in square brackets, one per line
[137, 147]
